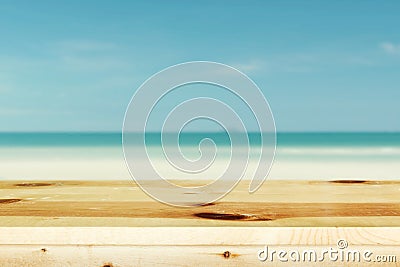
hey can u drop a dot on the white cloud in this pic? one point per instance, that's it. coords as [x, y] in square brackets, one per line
[88, 55]
[391, 48]
[4, 88]
[281, 63]
[249, 66]
[93, 63]
[14, 112]
[5, 84]
[85, 46]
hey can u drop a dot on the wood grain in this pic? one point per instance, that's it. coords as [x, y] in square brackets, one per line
[113, 223]
[277, 203]
[185, 246]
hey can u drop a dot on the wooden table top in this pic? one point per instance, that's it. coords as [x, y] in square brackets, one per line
[276, 203]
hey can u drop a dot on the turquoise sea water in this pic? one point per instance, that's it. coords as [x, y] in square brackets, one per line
[283, 139]
[298, 155]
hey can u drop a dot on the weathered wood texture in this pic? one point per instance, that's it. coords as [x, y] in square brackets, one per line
[277, 203]
[104, 223]
[188, 246]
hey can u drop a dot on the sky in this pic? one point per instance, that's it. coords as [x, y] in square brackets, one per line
[322, 65]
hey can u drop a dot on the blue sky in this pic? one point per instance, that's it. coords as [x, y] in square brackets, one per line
[322, 65]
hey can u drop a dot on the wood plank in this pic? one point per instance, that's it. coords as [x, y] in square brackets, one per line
[118, 256]
[185, 246]
[278, 203]
[113, 223]
[199, 236]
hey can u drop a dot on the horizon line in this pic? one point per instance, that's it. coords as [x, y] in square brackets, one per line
[190, 132]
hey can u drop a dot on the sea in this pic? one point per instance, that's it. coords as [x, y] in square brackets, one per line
[298, 156]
